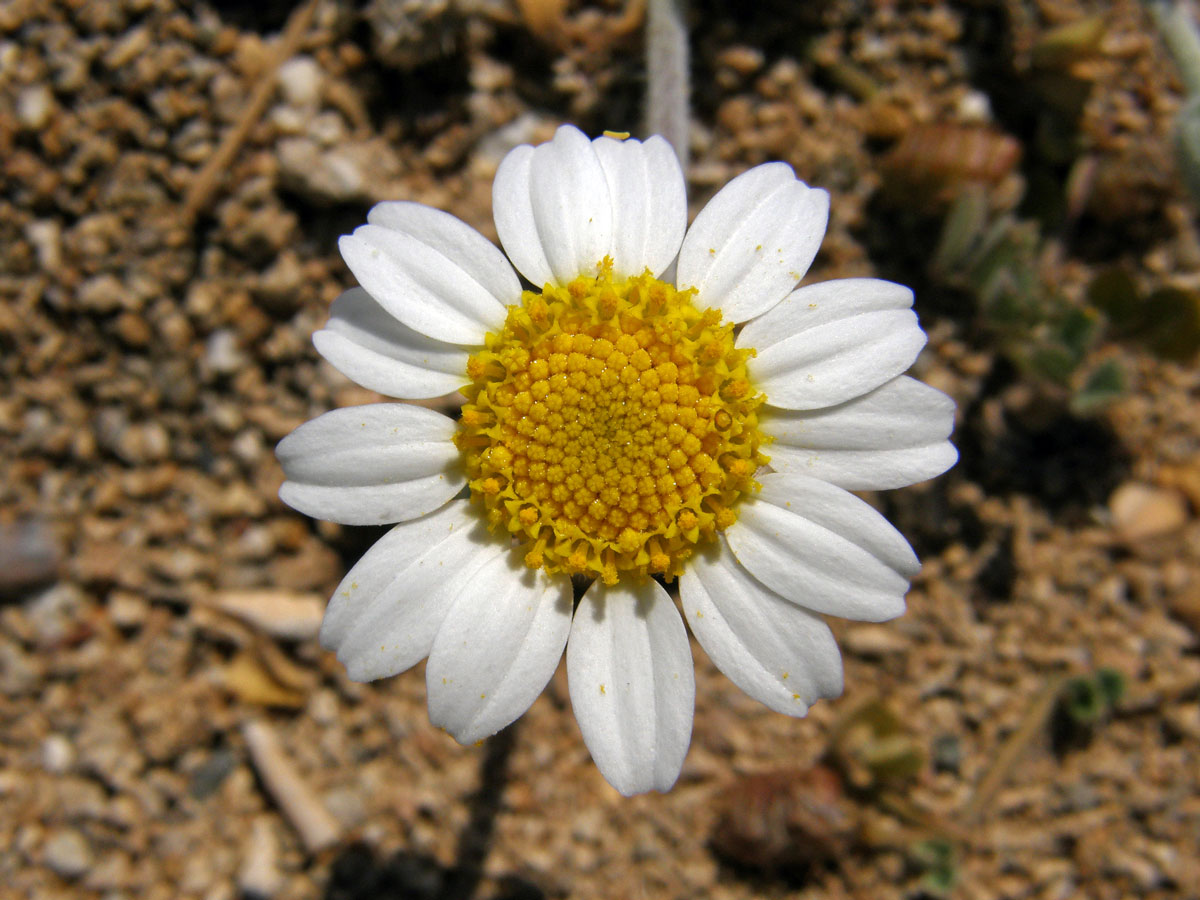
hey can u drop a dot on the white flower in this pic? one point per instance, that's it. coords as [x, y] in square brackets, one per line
[616, 426]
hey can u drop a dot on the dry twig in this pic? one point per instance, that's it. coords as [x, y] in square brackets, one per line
[207, 180]
[303, 809]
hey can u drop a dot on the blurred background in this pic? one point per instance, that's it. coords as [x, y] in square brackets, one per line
[173, 178]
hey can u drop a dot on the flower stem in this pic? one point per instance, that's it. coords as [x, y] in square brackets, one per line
[667, 105]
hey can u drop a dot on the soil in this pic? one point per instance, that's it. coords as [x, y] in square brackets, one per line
[170, 727]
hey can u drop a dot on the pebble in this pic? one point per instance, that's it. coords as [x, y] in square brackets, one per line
[67, 853]
[102, 294]
[331, 177]
[347, 806]
[1140, 511]
[280, 287]
[46, 237]
[222, 354]
[327, 129]
[34, 106]
[133, 330]
[300, 80]
[57, 754]
[29, 556]
[124, 51]
[127, 609]
[20, 672]
[54, 613]
[874, 640]
[742, 59]
[143, 443]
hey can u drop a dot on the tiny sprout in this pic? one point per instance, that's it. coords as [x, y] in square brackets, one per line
[937, 859]
[1111, 684]
[871, 747]
[1083, 701]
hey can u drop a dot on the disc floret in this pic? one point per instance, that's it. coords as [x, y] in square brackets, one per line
[610, 426]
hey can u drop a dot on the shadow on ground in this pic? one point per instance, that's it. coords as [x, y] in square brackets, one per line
[358, 874]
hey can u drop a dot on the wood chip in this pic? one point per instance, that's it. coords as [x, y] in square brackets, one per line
[317, 828]
[259, 875]
[288, 615]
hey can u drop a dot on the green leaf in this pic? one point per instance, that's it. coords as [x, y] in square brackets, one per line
[1105, 384]
[1083, 701]
[937, 859]
[962, 230]
[1077, 331]
[1054, 362]
[1111, 684]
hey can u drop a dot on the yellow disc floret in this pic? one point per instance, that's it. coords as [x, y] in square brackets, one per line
[611, 426]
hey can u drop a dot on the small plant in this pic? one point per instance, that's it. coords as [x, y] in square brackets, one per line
[1043, 333]
[937, 860]
[1085, 703]
[871, 748]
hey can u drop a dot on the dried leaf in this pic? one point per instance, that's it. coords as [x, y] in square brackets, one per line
[250, 682]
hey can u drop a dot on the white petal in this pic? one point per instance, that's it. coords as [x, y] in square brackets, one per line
[649, 203]
[433, 272]
[779, 654]
[371, 347]
[383, 616]
[512, 209]
[394, 553]
[629, 670]
[889, 438]
[370, 465]
[497, 648]
[823, 548]
[753, 241]
[830, 342]
[552, 208]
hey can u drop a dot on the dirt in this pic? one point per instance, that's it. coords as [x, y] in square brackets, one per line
[159, 603]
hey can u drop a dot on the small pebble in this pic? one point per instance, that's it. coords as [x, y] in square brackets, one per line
[300, 80]
[46, 237]
[101, 294]
[29, 556]
[57, 754]
[1140, 511]
[34, 106]
[221, 352]
[67, 853]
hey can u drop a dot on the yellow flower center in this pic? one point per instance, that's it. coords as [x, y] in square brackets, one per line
[610, 426]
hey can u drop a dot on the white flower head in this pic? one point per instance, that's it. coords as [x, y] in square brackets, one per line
[618, 425]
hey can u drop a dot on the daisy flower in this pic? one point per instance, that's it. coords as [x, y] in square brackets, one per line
[662, 405]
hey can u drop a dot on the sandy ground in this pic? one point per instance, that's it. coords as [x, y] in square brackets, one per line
[169, 726]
